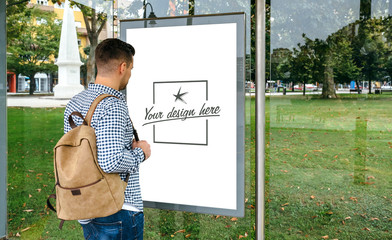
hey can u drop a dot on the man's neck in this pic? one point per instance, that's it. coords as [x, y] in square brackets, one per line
[107, 81]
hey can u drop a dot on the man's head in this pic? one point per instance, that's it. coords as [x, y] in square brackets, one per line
[111, 53]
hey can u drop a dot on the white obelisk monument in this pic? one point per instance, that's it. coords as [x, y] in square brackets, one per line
[68, 60]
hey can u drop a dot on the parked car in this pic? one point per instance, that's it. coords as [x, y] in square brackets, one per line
[309, 87]
[386, 88]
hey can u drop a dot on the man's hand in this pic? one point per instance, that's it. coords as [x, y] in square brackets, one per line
[144, 145]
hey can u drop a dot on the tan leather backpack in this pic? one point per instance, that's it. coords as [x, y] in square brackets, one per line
[83, 190]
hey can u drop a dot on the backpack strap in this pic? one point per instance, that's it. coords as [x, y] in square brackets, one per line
[94, 105]
[90, 113]
[71, 121]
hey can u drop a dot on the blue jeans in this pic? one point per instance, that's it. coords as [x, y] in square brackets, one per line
[124, 224]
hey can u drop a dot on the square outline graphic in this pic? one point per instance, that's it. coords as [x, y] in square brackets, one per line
[182, 143]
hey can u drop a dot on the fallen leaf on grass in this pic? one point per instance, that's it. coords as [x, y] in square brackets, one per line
[188, 235]
[347, 218]
[371, 177]
[325, 237]
[285, 204]
[234, 219]
[243, 236]
[180, 231]
[312, 197]
[28, 210]
[374, 219]
[366, 229]
[368, 183]
[23, 230]
[317, 150]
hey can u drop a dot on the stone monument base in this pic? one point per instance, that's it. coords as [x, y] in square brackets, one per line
[67, 91]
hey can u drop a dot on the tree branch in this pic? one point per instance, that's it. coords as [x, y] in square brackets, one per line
[16, 3]
[102, 25]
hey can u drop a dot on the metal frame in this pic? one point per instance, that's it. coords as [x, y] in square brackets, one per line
[260, 118]
[3, 121]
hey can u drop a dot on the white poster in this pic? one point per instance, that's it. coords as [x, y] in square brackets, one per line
[182, 99]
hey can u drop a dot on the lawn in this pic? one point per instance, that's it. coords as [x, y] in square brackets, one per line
[32, 134]
[328, 168]
[330, 165]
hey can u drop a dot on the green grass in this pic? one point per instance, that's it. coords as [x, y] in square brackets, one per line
[330, 165]
[32, 134]
[328, 168]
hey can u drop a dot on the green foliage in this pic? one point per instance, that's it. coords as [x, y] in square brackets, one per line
[33, 42]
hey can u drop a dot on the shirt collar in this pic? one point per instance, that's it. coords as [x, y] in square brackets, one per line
[102, 89]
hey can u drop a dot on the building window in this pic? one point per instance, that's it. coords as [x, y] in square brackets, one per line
[42, 2]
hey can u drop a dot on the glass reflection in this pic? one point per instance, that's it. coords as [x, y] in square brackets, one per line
[329, 134]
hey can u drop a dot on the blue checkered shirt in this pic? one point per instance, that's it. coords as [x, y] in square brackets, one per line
[114, 132]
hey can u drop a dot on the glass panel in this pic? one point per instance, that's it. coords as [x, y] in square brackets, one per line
[328, 120]
[162, 224]
[35, 121]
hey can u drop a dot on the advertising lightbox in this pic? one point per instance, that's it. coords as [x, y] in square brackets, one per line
[186, 98]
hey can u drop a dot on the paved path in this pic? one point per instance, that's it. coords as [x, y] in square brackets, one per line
[35, 101]
[42, 101]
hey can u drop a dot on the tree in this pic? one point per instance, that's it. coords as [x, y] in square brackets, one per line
[302, 63]
[370, 49]
[95, 21]
[33, 43]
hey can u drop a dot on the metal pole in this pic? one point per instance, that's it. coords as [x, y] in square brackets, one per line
[3, 121]
[260, 117]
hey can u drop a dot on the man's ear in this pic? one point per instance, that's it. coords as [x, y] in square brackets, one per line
[122, 67]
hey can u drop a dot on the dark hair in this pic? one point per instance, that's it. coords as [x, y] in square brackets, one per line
[113, 49]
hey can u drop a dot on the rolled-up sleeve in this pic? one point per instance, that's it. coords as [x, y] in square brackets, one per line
[114, 141]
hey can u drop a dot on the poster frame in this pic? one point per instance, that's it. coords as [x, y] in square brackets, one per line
[239, 20]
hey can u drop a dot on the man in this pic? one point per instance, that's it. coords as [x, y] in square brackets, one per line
[117, 152]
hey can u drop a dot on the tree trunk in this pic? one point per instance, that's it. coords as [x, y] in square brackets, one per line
[93, 32]
[370, 86]
[329, 90]
[303, 88]
[91, 61]
[358, 87]
[32, 84]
